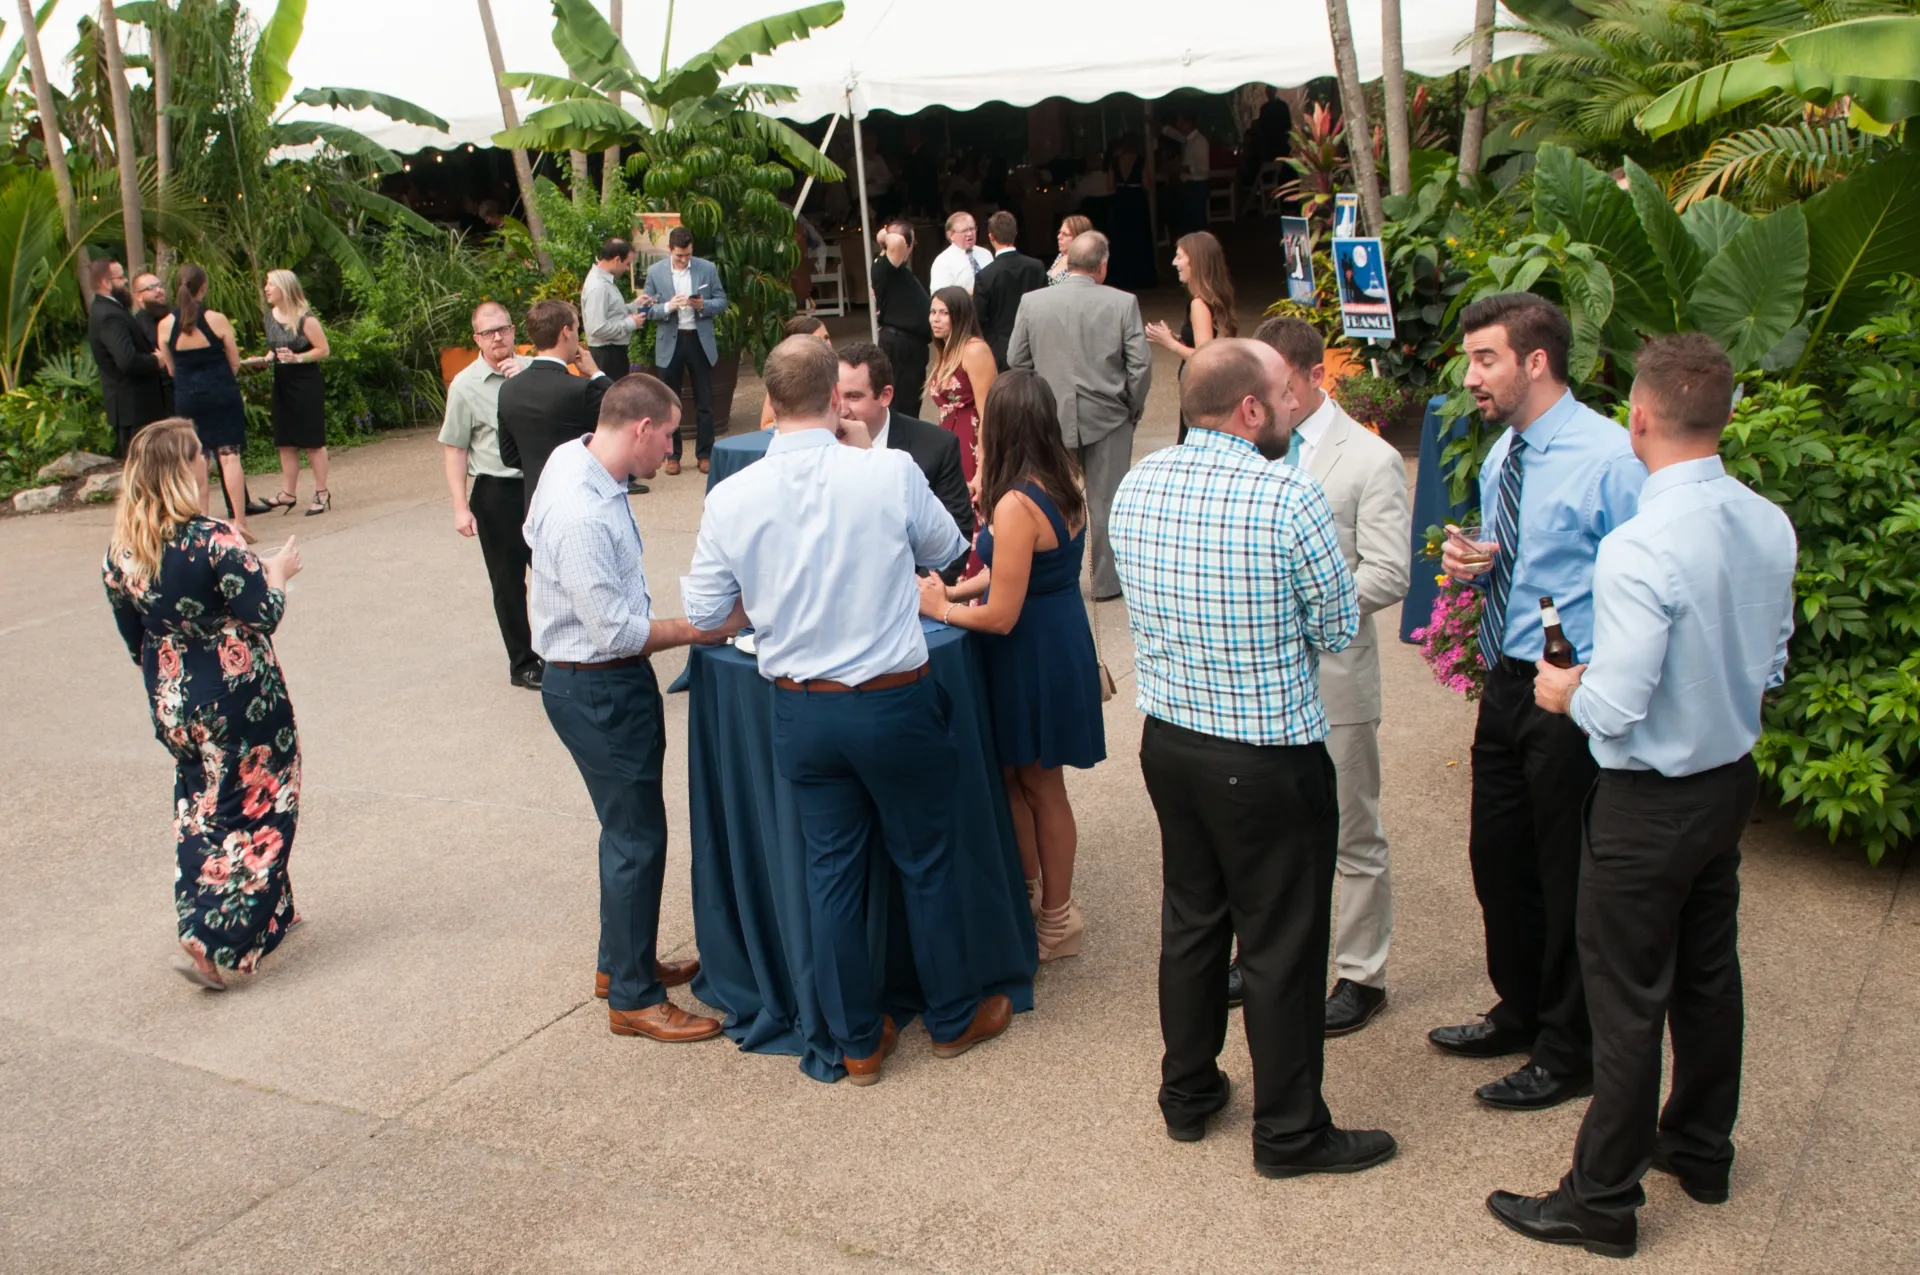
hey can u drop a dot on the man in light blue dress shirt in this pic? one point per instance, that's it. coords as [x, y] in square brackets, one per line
[1559, 479]
[594, 625]
[1693, 606]
[820, 542]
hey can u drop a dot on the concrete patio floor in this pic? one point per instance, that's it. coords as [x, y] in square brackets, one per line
[421, 1081]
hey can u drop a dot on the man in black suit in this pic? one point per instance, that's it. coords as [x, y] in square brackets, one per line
[547, 405]
[129, 369]
[866, 396]
[1011, 274]
[149, 307]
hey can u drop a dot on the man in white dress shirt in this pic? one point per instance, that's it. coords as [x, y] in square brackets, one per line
[1196, 171]
[961, 263]
[820, 543]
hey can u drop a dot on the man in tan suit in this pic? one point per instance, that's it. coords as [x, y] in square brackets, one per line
[1366, 483]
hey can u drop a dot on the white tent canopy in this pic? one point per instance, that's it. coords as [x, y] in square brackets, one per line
[895, 55]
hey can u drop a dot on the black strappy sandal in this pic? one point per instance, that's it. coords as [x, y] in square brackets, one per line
[286, 500]
[322, 502]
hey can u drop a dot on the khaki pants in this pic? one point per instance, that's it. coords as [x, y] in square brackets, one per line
[1364, 924]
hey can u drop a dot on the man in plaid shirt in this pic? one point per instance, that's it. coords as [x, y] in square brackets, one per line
[1234, 583]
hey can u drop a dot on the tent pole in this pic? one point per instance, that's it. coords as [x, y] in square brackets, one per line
[866, 228]
[1148, 146]
[807, 185]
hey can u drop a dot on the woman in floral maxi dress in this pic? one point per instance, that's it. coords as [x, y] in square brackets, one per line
[197, 610]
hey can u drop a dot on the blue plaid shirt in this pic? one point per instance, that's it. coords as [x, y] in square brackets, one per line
[1234, 583]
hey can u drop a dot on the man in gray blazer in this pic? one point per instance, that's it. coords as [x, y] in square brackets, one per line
[1366, 484]
[1086, 342]
[684, 296]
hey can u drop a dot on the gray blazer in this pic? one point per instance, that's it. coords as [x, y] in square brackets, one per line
[1365, 479]
[706, 284]
[1086, 341]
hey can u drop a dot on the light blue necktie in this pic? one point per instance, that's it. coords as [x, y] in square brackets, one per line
[1294, 449]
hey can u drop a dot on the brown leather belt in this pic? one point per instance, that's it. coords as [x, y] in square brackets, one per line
[625, 661]
[885, 682]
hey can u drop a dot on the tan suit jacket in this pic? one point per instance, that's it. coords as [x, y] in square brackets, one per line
[1366, 483]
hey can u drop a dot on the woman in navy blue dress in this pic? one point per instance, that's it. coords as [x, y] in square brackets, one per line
[1043, 676]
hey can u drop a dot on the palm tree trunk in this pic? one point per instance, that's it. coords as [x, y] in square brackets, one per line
[1473, 131]
[1353, 102]
[582, 176]
[162, 128]
[521, 168]
[55, 145]
[610, 162]
[123, 144]
[1393, 75]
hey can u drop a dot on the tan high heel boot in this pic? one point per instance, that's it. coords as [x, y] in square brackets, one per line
[1033, 896]
[1059, 931]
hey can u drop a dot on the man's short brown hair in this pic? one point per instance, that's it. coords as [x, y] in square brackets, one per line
[679, 237]
[1689, 379]
[800, 377]
[871, 357]
[1295, 340]
[1531, 323]
[99, 270]
[546, 320]
[637, 397]
[1002, 228]
[1220, 375]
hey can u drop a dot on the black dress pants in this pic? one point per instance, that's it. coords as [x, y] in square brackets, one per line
[611, 359]
[1531, 774]
[689, 357]
[908, 354]
[1659, 916]
[499, 509]
[1248, 837]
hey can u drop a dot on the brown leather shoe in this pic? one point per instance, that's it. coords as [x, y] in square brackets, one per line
[670, 974]
[663, 1022]
[672, 466]
[866, 1071]
[705, 465]
[989, 1020]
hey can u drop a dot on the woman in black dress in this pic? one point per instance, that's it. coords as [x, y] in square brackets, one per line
[297, 344]
[1202, 266]
[1130, 263]
[197, 611]
[198, 348]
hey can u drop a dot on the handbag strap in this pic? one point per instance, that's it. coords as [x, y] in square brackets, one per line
[1093, 607]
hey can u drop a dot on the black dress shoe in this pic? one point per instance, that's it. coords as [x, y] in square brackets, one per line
[1339, 1151]
[637, 488]
[1480, 1040]
[1352, 1006]
[1236, 984]
[1550, 1219]
[1533, 1088]
[1702, 1192]
[1198, 1130]
[529, 678]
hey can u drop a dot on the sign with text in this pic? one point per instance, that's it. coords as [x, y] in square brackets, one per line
[1360, 268]
[1296, 240]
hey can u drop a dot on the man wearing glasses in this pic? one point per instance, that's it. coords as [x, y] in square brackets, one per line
[493, 510]
[149, 307]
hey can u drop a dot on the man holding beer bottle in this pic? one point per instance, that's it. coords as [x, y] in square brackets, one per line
[1693, 606]
[1557, 480]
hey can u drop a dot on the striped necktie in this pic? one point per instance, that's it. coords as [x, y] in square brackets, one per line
[1506, 532]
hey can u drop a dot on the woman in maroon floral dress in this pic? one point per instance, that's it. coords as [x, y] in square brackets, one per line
[198, 611]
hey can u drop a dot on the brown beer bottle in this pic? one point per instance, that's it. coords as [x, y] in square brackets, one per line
[1559, 651]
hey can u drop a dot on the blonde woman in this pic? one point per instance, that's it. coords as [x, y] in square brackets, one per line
[1202, 266]
[296, 343]
[1070, 229]
[197, 610]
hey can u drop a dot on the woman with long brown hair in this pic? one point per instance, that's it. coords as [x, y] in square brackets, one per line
[1202, 266]
[198, 347]
[197, 611]
[963, 370]
[1043, 673]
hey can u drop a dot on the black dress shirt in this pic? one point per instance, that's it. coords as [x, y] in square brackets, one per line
[902, 298]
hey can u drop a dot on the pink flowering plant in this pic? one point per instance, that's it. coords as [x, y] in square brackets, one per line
[1450, 641]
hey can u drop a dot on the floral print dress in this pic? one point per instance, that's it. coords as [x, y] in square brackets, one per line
[201, 631]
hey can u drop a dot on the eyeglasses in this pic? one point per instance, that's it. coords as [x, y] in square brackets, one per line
[506, 330]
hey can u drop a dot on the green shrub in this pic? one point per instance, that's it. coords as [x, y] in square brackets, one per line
[58, 410]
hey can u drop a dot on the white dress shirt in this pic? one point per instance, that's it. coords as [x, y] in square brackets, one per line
[1312, 430]
[820, 542]
[956, 269]
[683, 287]
[589, 601]
[880, 439]
[1196, 154]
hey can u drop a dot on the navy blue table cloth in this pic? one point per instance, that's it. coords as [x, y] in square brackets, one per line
[731, 455]
[750, 913]
[1431, 507]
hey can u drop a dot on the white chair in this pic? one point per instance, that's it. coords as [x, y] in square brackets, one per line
[829, 281]
[1223, 195]
[1267, 183]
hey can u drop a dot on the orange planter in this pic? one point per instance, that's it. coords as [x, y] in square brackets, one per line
[1340, 365]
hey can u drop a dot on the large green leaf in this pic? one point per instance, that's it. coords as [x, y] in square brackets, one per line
[591, 50]
[1573, 195]
[379, 207]
[1680, 256]
[1860, 231]
[550, 88]
[11, 67]
[394, 108]
[700, 75]
[1713, 222]
[337, 244]
[1750, 295]
[271, 56]
[789, 145]
[582, 123]
[338, 136]
[1589, 290]
[1873, 61]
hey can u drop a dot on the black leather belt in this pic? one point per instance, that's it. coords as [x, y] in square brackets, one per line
[625, 661]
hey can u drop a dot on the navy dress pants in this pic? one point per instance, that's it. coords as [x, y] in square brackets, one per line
[861, 761]
[610, 720]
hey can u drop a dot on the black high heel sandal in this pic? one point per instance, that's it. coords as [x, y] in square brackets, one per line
[285, 501]
[322, 502]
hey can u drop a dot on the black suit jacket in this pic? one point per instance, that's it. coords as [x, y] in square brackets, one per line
[129, 369]
[541, 408]
[937, 453]
[996, 297]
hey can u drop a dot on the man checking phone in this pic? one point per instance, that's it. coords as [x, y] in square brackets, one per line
[684, 296]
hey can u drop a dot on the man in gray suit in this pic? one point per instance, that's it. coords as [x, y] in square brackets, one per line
[1366, 484]
[684, 296]
[1086, 341]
